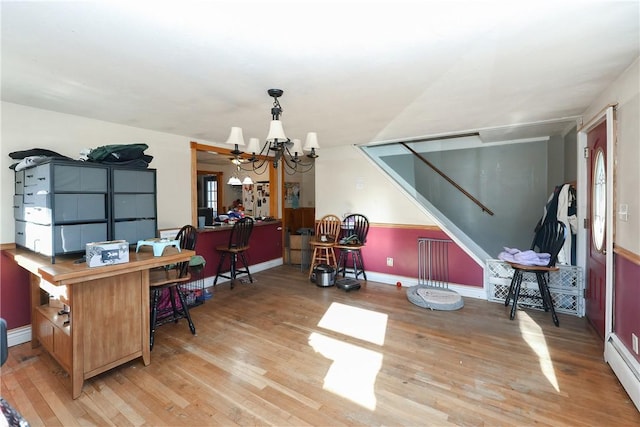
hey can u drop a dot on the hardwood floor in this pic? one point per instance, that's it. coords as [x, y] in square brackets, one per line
[282, 351]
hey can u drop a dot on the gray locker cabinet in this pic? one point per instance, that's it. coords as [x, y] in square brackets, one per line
[134, 209]
[59, 206]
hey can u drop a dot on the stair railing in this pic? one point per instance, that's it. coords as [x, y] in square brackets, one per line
[451, 181]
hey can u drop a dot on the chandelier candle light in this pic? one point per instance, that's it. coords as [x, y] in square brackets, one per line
[290, 152]
[238, 140]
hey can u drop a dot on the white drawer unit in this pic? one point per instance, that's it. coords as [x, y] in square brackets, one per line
[54, 240]
[60, 206]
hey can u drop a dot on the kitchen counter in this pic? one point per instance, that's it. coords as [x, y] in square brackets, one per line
[265, 244]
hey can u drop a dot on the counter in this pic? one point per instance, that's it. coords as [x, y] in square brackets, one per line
[265, 244]
[109, 320]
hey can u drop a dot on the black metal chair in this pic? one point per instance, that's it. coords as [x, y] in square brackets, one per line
[355, 228]
[235, 249]
[171, 279]
[549, 239]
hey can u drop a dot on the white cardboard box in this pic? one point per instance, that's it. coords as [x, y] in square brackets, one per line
[107, 253]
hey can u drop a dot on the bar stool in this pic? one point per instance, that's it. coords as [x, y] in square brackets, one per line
[355, 229]
[326, 236]
[235, 249]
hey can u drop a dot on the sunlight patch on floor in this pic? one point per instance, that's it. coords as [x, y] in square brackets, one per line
[353, 372]
[532, 334]
[355, 322]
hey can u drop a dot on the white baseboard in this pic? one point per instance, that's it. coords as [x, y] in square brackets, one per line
[208, 281]
[19, 335]
[389, 279]
[625, 367]
[477, 292]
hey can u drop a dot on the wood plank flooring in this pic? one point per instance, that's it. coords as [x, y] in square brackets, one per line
[282, 351]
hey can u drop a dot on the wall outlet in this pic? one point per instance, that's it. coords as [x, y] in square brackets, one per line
[389, 262]
[634, 343]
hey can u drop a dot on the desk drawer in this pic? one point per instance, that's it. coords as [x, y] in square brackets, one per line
[59, 239]
[37, 178]
[130, 206]
[80, 207]
[80, 178]
[134, 181]
[19, 182]
[132, 231]
[18, 209]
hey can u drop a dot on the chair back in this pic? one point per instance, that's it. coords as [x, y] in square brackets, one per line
[188, 235]
[240, 233]
[357, 224]
[549, 239]
[329, 225]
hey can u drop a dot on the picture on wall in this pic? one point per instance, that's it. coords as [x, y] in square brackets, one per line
[292, 194]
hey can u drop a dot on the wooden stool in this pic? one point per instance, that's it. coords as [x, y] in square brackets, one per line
[327, 233]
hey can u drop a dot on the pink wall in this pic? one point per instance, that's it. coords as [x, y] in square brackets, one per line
[627, 301]
[402, 245]
[14, 293]
[265, 244]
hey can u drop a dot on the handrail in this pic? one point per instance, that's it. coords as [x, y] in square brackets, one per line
[451, 181]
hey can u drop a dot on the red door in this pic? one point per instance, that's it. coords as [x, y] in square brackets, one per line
[596, 231]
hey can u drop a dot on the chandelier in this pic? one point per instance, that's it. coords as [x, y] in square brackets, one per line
[277, 148]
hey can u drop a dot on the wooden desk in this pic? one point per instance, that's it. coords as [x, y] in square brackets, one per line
[109, 321]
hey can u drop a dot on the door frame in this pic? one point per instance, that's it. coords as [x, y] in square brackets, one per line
[608, 115]
[616, 354]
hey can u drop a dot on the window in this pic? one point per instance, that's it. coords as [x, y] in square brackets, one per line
[599, 201]
[211, 192]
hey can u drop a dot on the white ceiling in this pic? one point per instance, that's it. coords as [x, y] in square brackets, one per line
[354, 71]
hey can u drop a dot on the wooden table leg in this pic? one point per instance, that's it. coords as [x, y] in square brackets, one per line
[145, 322]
